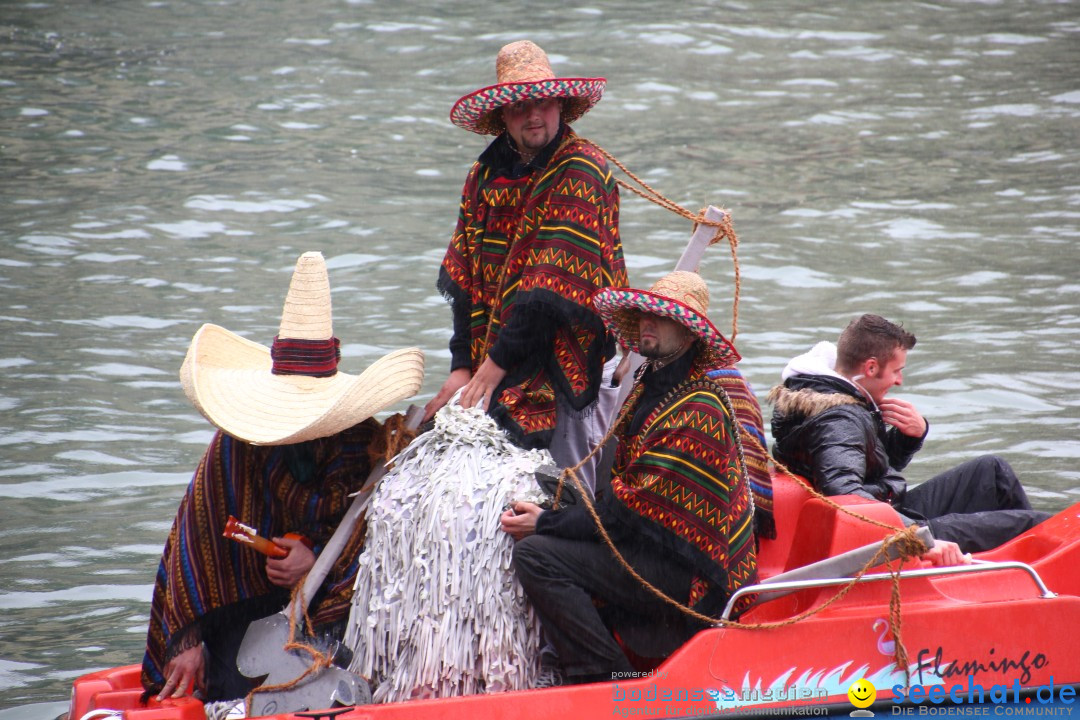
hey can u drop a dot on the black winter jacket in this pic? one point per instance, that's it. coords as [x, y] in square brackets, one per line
[826, 431]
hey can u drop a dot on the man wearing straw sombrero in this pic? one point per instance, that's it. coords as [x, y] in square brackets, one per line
[679, 514]
[292, 444]
[537, 235]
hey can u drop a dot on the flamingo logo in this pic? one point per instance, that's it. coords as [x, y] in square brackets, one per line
[885, 647]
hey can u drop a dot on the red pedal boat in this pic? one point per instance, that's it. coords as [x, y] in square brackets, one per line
[1002, 630]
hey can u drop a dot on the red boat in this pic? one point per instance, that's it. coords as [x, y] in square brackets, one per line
[1001, 630]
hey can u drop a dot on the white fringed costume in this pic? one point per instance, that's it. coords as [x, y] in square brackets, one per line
[436, 610]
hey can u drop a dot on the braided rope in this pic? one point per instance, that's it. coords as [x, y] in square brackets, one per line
[907, 544]
[390, 440]
[724, 226]
[319, 661]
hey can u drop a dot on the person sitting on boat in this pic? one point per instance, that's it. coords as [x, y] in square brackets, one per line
[537, 235]
[679, 508]
[291, 445]
[833, 424]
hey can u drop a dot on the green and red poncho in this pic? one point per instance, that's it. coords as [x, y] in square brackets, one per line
[680, 481]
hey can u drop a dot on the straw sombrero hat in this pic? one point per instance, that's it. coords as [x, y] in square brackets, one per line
[292, 392]
[681, 296]
[524, 73]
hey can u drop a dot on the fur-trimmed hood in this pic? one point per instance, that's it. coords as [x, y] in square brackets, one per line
[807, 401]
[812, 385]
[802, 398]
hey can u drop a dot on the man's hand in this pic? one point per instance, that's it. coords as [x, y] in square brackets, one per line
[184, 674]
[482, 386]
[903, 416]
[520, 520]
[287, 571]
[946, 553]
[458, 379]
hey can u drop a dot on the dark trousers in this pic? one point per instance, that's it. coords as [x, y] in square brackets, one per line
[561, 578]
[979, 504]
[224, 681]
[222, 631]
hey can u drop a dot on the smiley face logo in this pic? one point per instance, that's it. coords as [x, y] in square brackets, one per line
[862, 693]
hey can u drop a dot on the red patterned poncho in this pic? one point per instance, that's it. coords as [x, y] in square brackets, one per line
[544, 242]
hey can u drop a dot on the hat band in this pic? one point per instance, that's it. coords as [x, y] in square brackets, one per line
[316, 358]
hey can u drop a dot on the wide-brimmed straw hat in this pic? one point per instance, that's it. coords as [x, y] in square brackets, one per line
[523, 72]
[292, 392]
[681, 296]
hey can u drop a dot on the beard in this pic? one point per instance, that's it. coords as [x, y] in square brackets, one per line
[650, 349]
[654, 350]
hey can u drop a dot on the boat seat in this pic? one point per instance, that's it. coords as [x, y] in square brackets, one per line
[789, 495]
[821, 530]
[824, 531]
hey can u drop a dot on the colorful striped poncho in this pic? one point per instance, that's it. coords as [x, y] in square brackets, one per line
[206, 581]
[680, 481]
[755, 448]
[554, 234]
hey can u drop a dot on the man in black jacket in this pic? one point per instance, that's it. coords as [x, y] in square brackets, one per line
[834, 425]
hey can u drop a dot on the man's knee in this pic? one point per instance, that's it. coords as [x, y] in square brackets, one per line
[993, 470]
[1010, 492]
[984, 465]
[528, 558]
[995, 461]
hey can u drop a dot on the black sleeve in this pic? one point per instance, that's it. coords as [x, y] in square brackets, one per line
[574, 522]
[529, 335]
[460, 352]
[901, 448]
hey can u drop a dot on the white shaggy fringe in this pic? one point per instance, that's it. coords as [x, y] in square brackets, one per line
[436, 609]
[224, 710]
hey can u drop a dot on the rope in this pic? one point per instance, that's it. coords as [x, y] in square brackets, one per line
[724, 227]
[319, 661]
[908, 545]
[391, 438]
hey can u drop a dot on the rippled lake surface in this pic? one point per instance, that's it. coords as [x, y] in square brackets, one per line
[163, 163]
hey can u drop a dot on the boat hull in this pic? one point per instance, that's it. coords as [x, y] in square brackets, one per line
[1000, 632]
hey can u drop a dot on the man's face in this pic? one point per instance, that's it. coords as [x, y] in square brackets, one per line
[880, 377]
[533, 123]
[660, 336]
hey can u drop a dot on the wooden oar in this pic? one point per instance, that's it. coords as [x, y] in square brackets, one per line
[262, 651]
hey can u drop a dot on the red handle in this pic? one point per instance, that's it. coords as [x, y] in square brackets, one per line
[236, 530]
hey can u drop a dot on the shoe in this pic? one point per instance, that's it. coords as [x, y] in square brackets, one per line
[549, 677]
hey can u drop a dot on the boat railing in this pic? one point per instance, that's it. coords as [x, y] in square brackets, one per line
[777, 587]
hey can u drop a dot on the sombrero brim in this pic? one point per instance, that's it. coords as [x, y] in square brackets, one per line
[475, 111]
[619, 309]
[228, 378]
